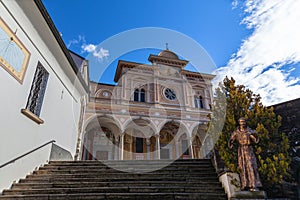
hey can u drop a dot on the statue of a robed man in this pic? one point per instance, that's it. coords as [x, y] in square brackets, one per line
[246, 158]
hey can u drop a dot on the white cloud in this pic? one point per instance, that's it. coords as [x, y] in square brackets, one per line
[99, 53]
[80, 39]
[88, 48]
[260, 61]
[102, 53]
[96, 52]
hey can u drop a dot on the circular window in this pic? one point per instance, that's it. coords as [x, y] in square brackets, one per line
[106, 94]
[170, 94]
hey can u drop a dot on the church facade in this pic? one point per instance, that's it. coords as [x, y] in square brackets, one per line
[155, 111]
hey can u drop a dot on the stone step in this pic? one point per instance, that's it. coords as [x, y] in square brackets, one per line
[125, 171]
[124, 189]
[129, 168]
[206, 166]
[182, 179]
[115, 179]
[198, 176]
[99, 166]
[123, 167]
[132, 162]
[37, 185]
[140, 161]
[111, 171]
[120, 196]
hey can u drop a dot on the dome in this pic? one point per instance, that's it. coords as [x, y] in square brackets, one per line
[168, 54]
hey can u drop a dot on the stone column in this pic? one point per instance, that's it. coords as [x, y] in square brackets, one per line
[148, 148]
[191, 147]
[90, 147]
[177, 143]
[147, 96]
[122, 146]
[185, 95]
[157, 147]
[116, 146]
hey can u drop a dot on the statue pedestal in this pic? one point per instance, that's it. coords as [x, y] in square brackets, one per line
[231, 184]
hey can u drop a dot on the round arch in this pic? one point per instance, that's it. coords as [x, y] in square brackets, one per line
[199, 140]
[135, 118]
[199, 130]
[182, 126]
[139, 141]
[97, 116]
[100, 138]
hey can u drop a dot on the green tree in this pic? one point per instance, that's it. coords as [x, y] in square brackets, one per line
[234, 101]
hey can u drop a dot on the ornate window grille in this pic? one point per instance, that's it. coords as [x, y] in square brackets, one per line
[37, 91]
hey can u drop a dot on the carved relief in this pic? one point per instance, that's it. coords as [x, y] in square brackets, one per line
[169, 71]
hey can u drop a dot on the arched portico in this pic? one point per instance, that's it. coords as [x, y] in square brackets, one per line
[175, 141]
[139, 140]
[197, 147]
[101, 139]
[198, 138]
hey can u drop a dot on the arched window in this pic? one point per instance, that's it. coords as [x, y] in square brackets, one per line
[142, 94]
[139, 95]
[198, 100]
[136, 94]
[201, 102]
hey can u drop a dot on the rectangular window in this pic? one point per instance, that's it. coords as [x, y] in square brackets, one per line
[36, 95]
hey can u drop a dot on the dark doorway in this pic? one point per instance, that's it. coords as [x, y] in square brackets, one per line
[139, 145]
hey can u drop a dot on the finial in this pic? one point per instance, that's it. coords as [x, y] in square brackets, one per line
[167, 46]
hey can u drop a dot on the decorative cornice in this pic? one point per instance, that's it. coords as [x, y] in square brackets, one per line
[122, 64]
[198, 75]
[167, 61]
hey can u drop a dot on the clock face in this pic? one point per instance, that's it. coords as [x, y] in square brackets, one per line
[170, 94]
[13, 54]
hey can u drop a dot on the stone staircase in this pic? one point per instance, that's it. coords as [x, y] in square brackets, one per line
[181, 179]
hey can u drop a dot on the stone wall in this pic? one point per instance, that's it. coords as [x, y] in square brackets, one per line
[290, 113]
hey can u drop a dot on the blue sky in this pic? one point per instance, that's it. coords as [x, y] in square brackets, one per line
[256, 42]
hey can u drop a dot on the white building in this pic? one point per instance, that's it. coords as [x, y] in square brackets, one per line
[42, 90]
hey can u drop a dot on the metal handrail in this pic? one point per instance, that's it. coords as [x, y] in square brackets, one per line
[25, 154]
